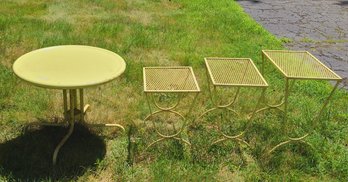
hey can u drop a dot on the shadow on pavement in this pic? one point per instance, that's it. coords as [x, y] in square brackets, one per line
[29, 156]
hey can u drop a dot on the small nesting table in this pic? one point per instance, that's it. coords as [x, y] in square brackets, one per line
[235, 73]
[297, 65]
[70, 68]
[178, 80]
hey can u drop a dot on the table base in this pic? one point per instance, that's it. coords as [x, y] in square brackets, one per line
[71, 116]
[285, 111]
[162, 136]
[238, 137]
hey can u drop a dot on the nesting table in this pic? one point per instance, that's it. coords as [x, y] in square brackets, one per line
[232, 73]
[179, 80]
[297, 65]
[70, 68]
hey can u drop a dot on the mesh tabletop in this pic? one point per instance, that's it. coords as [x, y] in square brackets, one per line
[234, 72]
[300, 65]
[169, 79]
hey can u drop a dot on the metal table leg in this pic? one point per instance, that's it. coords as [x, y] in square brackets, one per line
[84, 108]
[73, 103]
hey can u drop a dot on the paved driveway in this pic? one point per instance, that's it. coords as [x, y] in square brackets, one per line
[319, 26]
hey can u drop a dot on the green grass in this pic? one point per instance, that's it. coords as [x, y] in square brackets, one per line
[153, 33]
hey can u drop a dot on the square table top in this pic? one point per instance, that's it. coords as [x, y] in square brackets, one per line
[234, 72]
[170, 79]
[300, 65]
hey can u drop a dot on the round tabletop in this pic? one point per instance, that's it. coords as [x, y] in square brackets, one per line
[69, 66]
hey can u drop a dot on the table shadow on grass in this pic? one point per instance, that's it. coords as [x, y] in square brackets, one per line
[29, 156]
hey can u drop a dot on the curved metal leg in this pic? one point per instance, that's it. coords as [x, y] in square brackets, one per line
[62, 142]
[151, 144]
[226, 106]
[183, 140]
[277, 106]
[85, 108]
[283, 101]
[227, 137]
[72, 122]
[107, 125]
[163, 136]
[300, 139]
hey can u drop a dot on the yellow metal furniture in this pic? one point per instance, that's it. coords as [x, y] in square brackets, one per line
[70, 68]
[177, 80]
[235, 73]
[297, 65]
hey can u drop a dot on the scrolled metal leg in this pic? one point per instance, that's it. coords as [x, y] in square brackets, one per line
[171, 110]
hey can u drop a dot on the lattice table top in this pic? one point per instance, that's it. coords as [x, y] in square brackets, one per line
[170, 79]
[300, 65]
[234, 72]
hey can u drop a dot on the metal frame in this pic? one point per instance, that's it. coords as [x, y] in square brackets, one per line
[162, 84]
[320, 69]
[250, 72]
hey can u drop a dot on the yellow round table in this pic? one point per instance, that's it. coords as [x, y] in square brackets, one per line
[70, 68]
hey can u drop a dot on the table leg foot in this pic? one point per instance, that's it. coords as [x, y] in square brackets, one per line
[86, 108]
[55, 154]
[107, 125]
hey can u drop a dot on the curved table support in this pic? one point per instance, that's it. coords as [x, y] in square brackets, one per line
[72, 114]
[227, 107]
[170, 110]
[299, 139]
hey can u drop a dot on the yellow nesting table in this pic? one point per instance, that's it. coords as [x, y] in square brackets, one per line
[70, 68]
[233, 73]
[297, 65]
[179, 80]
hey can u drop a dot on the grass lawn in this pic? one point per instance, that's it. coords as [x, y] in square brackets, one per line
[153, 33]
